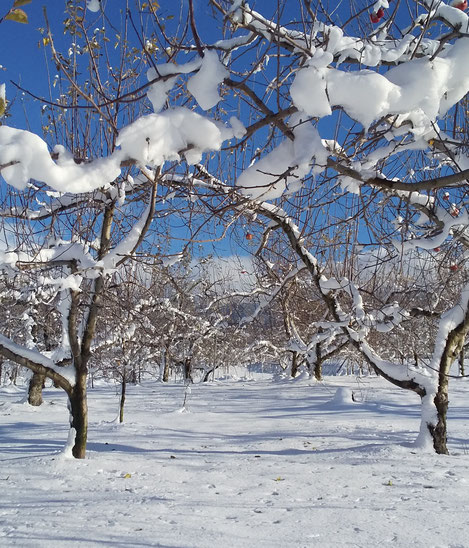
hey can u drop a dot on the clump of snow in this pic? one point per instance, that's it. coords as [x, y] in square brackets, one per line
[428, 87]
[281, 171]
[68, 448]
[308, 90]
[156, 138]
[349, 185]
[93, 5]
[204, 84]
[158, 92]
[34, 162]
[343, 397]
[238, 127]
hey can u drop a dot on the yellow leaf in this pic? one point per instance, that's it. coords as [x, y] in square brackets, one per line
[19, 16]
[45, 41]
[2, 106]
[19, 3]
[127, 476]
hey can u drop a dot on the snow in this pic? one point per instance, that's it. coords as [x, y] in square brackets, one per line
[265, 464]
[158, 92]
[281, 170]
[157, 138]
[128, 244]
[204, 84]
[34, 162]
[34, 356]
[150, 140]
[93, 5]
[419, 86]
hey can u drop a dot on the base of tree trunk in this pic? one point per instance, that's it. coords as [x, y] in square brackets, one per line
[36, 384]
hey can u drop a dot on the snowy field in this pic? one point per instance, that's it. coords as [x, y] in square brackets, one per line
[260, 464]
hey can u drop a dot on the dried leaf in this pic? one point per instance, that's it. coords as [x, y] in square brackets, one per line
[2, 106]
[19, 16]
[19, 3]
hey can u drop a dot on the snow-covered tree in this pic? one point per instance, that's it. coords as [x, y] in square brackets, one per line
[341, 128]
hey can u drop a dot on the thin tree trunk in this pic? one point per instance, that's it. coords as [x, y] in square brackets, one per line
[188, 370]
[165, 365]
[79, 416]
[295, 362]
[318, 363]
[438, 428]
[14, 374]
[36, 384]
[439, 431]
[453, 348]
[122, 400]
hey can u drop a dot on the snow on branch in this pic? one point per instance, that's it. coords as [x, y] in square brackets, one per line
[37, 362]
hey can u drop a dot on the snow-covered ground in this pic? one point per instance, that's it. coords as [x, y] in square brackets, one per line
[248, 464]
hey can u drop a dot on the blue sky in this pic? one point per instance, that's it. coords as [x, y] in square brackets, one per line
[24, 62]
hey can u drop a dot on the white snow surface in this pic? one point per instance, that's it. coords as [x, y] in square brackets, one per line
[265, 464]
[156, 138]
[93, 5]
[204, 84]
[281, 170]
[418, 87]
[34, 162]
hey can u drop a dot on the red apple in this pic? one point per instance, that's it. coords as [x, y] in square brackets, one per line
[453, 267]
[446, 196]
[459, 4]
[437, 249]
[249, 236]
[376, 17]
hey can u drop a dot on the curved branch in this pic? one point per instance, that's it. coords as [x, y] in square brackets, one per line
[8, 350]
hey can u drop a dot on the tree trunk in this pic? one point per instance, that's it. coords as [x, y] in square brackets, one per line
[79, 417]
[315, 361]
[122, 400]
[295, 363]
[36, 384]
[462, 355]
[318, 363]
[165, 365]
[14, 374]
[439, 430]
[188, 370]
[437, 427]
[318, 370]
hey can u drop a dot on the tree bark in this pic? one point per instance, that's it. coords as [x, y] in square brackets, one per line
[295, 363]
[438, 431]
[188, 370]
[318, 363]
[166, 360]
[36, 384]
[122, 400]
[79, 416]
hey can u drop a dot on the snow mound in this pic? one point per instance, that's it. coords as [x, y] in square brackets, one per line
[343, 397]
